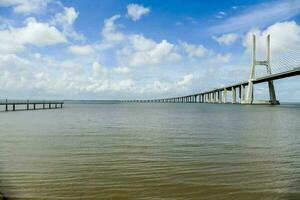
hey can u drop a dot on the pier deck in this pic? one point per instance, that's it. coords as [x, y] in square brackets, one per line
[13, 105]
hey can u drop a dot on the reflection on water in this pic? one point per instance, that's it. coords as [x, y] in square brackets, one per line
[151, 151]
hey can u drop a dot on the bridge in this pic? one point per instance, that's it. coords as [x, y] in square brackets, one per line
[243, 92]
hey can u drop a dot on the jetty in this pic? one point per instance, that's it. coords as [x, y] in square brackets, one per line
[14, 105]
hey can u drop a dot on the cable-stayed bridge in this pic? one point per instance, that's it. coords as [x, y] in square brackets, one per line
[285, 63]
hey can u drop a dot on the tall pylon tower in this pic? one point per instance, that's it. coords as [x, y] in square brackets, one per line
[250, 97]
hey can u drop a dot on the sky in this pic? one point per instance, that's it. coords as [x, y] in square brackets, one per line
[112, 49]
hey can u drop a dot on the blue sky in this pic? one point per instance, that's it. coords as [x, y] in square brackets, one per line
[113, 49]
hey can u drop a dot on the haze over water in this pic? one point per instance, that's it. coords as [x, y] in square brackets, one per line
[151, 151]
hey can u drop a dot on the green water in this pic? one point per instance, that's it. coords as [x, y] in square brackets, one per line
[151, 151]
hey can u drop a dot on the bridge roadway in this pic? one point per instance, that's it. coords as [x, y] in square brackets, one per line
[11, 105]
[219, 95]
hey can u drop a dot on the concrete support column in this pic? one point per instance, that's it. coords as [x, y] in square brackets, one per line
[242, 93]
[215, 97]
[233, 89]
[225, 96]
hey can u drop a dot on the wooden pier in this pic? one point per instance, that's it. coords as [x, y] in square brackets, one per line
[13, 105]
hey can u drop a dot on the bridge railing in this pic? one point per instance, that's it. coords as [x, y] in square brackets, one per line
[18, 101]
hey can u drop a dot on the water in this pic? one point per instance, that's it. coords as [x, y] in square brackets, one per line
[151, 151]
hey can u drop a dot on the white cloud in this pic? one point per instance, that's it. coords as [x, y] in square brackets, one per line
[194, 50]
[259, 15]
[35, 33]
[160, 87]
[39, 34]
[110, 34]
[285, 45]
[82, 50]
[122, 70]
[220, 59]
[135, 11]
[66, 19]
[123, 85]
[186, 81]
[227, 39]
[284, 36]
[25, 6]
[221, 15]
[164, 87]
[97, 69]
[146, 52]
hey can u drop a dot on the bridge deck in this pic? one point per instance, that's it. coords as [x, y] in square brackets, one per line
[294, 72]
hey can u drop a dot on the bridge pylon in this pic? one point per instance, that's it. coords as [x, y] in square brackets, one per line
[249, 96]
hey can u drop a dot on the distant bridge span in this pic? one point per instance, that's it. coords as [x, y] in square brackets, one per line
[243, 89]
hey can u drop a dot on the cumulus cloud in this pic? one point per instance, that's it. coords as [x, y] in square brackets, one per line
[37, 33]
[135, 11]
[110, 34]
[227, 39]
[25, 6]
[66, 19]
[219, 59]
[123, 85]
[34, 32]
[284, 36]
[122, 70]
[160, 87]
[193, 50]
[186, 80]
[80, 50]
[143, 52]
[285, 45]
[97, 69]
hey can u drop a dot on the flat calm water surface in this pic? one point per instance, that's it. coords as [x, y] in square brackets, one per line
[151, 152]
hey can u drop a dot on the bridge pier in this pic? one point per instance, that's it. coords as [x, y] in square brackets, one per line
[225, 95]
[215, 97]
[233, 89]
[242, 94]
[266, 63]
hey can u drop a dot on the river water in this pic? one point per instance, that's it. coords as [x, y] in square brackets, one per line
[149, 151]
